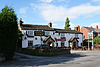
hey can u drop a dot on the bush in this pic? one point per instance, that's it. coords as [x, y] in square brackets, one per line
[97, 40]
[36, 52]
[44, 52]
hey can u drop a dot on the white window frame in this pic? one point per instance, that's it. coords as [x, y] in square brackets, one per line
[30, 33]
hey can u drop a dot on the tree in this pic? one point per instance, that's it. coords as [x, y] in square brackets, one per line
[97, 40]
[8, 32]
[19, 40]
[67, 25]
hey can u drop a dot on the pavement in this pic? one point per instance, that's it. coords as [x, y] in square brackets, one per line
[78, 58]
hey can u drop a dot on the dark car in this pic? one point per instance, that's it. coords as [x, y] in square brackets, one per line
[36, 46]
[44, 46]
[40, 46]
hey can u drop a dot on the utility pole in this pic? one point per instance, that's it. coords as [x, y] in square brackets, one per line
[92, 41]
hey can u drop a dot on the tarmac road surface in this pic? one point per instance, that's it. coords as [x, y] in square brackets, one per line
[76, 59]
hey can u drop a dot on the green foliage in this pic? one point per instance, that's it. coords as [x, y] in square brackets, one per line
[97, 40]
[44, 52]
[8, 32]
[19, 40]
[67, 25]
[36, 52]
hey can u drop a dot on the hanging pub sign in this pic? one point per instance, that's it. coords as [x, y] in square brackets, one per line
[39, 33]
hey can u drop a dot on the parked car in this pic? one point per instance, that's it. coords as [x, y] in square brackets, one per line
[36, 46]
[41, 46]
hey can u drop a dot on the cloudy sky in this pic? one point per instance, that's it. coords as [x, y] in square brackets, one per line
[80, 12]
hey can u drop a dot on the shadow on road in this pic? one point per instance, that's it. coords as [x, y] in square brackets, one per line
[22, 61]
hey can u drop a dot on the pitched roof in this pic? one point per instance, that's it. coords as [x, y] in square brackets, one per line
[36, 27]
[46, 28]
[72, 39]
[92, 29]
[47, 38]
[67, 31]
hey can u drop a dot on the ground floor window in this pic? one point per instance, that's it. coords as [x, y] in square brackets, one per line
[30, 43]
[62, 44]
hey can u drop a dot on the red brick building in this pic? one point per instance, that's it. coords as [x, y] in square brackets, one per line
[86, 30]
[88, 35]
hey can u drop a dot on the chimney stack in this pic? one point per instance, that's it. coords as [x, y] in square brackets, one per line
[50, 24]
[78, 28]
[20, 22]
[96, 27]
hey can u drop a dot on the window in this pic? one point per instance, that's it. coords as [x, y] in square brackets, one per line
[30, 43]
[76, 35]
[30, 33]
[62, 35]
[47, 33]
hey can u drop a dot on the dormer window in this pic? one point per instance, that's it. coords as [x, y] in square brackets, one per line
[62, 35]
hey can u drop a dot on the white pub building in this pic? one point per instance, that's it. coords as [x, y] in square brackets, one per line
[45, 34]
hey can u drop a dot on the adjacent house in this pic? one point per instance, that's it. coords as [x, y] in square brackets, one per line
[89, 33]
[45, 34]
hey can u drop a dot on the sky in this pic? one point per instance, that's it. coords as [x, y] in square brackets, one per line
[41, 12]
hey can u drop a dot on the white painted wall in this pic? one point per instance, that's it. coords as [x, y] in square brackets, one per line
[24, 42]
[56, 35]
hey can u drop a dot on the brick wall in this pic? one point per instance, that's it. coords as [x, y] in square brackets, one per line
[85, 32]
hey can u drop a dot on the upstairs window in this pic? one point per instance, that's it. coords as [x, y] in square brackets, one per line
[30, 33]
[76, 35]
[62, 35]
[47, 33]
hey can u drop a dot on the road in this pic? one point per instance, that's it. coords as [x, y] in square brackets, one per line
[76, 59]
